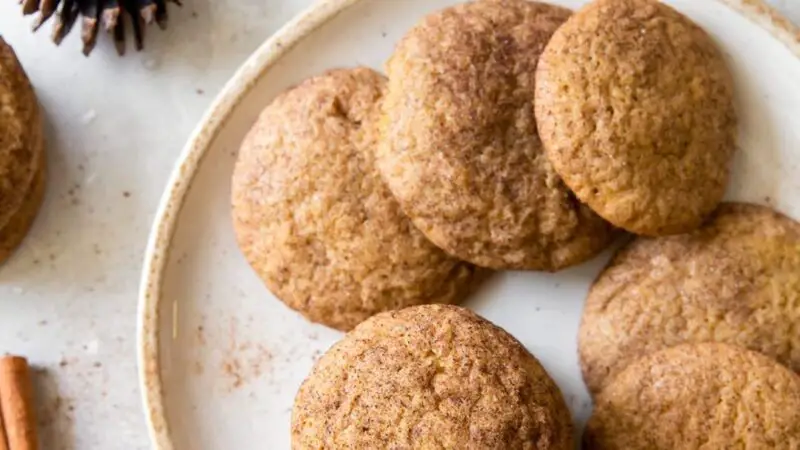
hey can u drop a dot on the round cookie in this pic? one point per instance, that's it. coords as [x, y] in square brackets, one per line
[432, 376]
[316, 222]
[634, 105]
[736, 280]
[710, 396]
[459, 146]
[22, 157]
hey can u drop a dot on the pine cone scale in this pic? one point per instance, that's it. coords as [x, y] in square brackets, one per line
[95, 13]
[29, 6]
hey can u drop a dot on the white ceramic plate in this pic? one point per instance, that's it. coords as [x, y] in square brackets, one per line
[221, 358]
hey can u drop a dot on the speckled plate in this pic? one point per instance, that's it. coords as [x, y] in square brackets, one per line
[221, 358]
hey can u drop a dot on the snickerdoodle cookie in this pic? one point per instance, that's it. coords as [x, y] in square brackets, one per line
[736, 280]
[314, 218]
[698, 396]
[459, 145]
[22, 158]
[430, 377]
[18, 225]
[634, 105]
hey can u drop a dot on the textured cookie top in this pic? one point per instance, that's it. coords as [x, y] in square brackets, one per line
[314, 218]
[20, 134]
[460, 149]
[709, 396]
[19, 224]
[634, 107]
[735, 280]
[430, 377]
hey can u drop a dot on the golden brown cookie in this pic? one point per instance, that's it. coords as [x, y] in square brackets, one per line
[698, 396]
[459, 145]
[22, 167]
[430, 377]
[736, 280]
[15, 230]
[314, 218]
[634, 105]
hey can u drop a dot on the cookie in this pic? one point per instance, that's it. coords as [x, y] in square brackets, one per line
[634, 105]
[316, 222]
[459, 146]
[15, 230]
[709, 396]
[736, 280]
[432, 376]
[22, 157]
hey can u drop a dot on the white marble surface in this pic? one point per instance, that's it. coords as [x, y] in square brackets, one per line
[115, 127]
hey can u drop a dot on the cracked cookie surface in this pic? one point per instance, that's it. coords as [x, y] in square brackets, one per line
[634, 105]
[735, 280]
[430, 377]
[316, 222]
[698, 396]
[459, 146]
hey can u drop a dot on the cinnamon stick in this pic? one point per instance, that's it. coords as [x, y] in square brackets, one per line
[3, 437]
[16, 404]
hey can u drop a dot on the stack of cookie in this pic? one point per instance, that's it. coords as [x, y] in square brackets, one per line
[354, 196]
[634, 106]
[515, 135]
[22, 158]
[691, 341]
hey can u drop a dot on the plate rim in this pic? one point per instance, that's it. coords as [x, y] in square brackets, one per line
[214, 119]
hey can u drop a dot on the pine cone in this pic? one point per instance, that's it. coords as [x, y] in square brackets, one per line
[110, 12]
